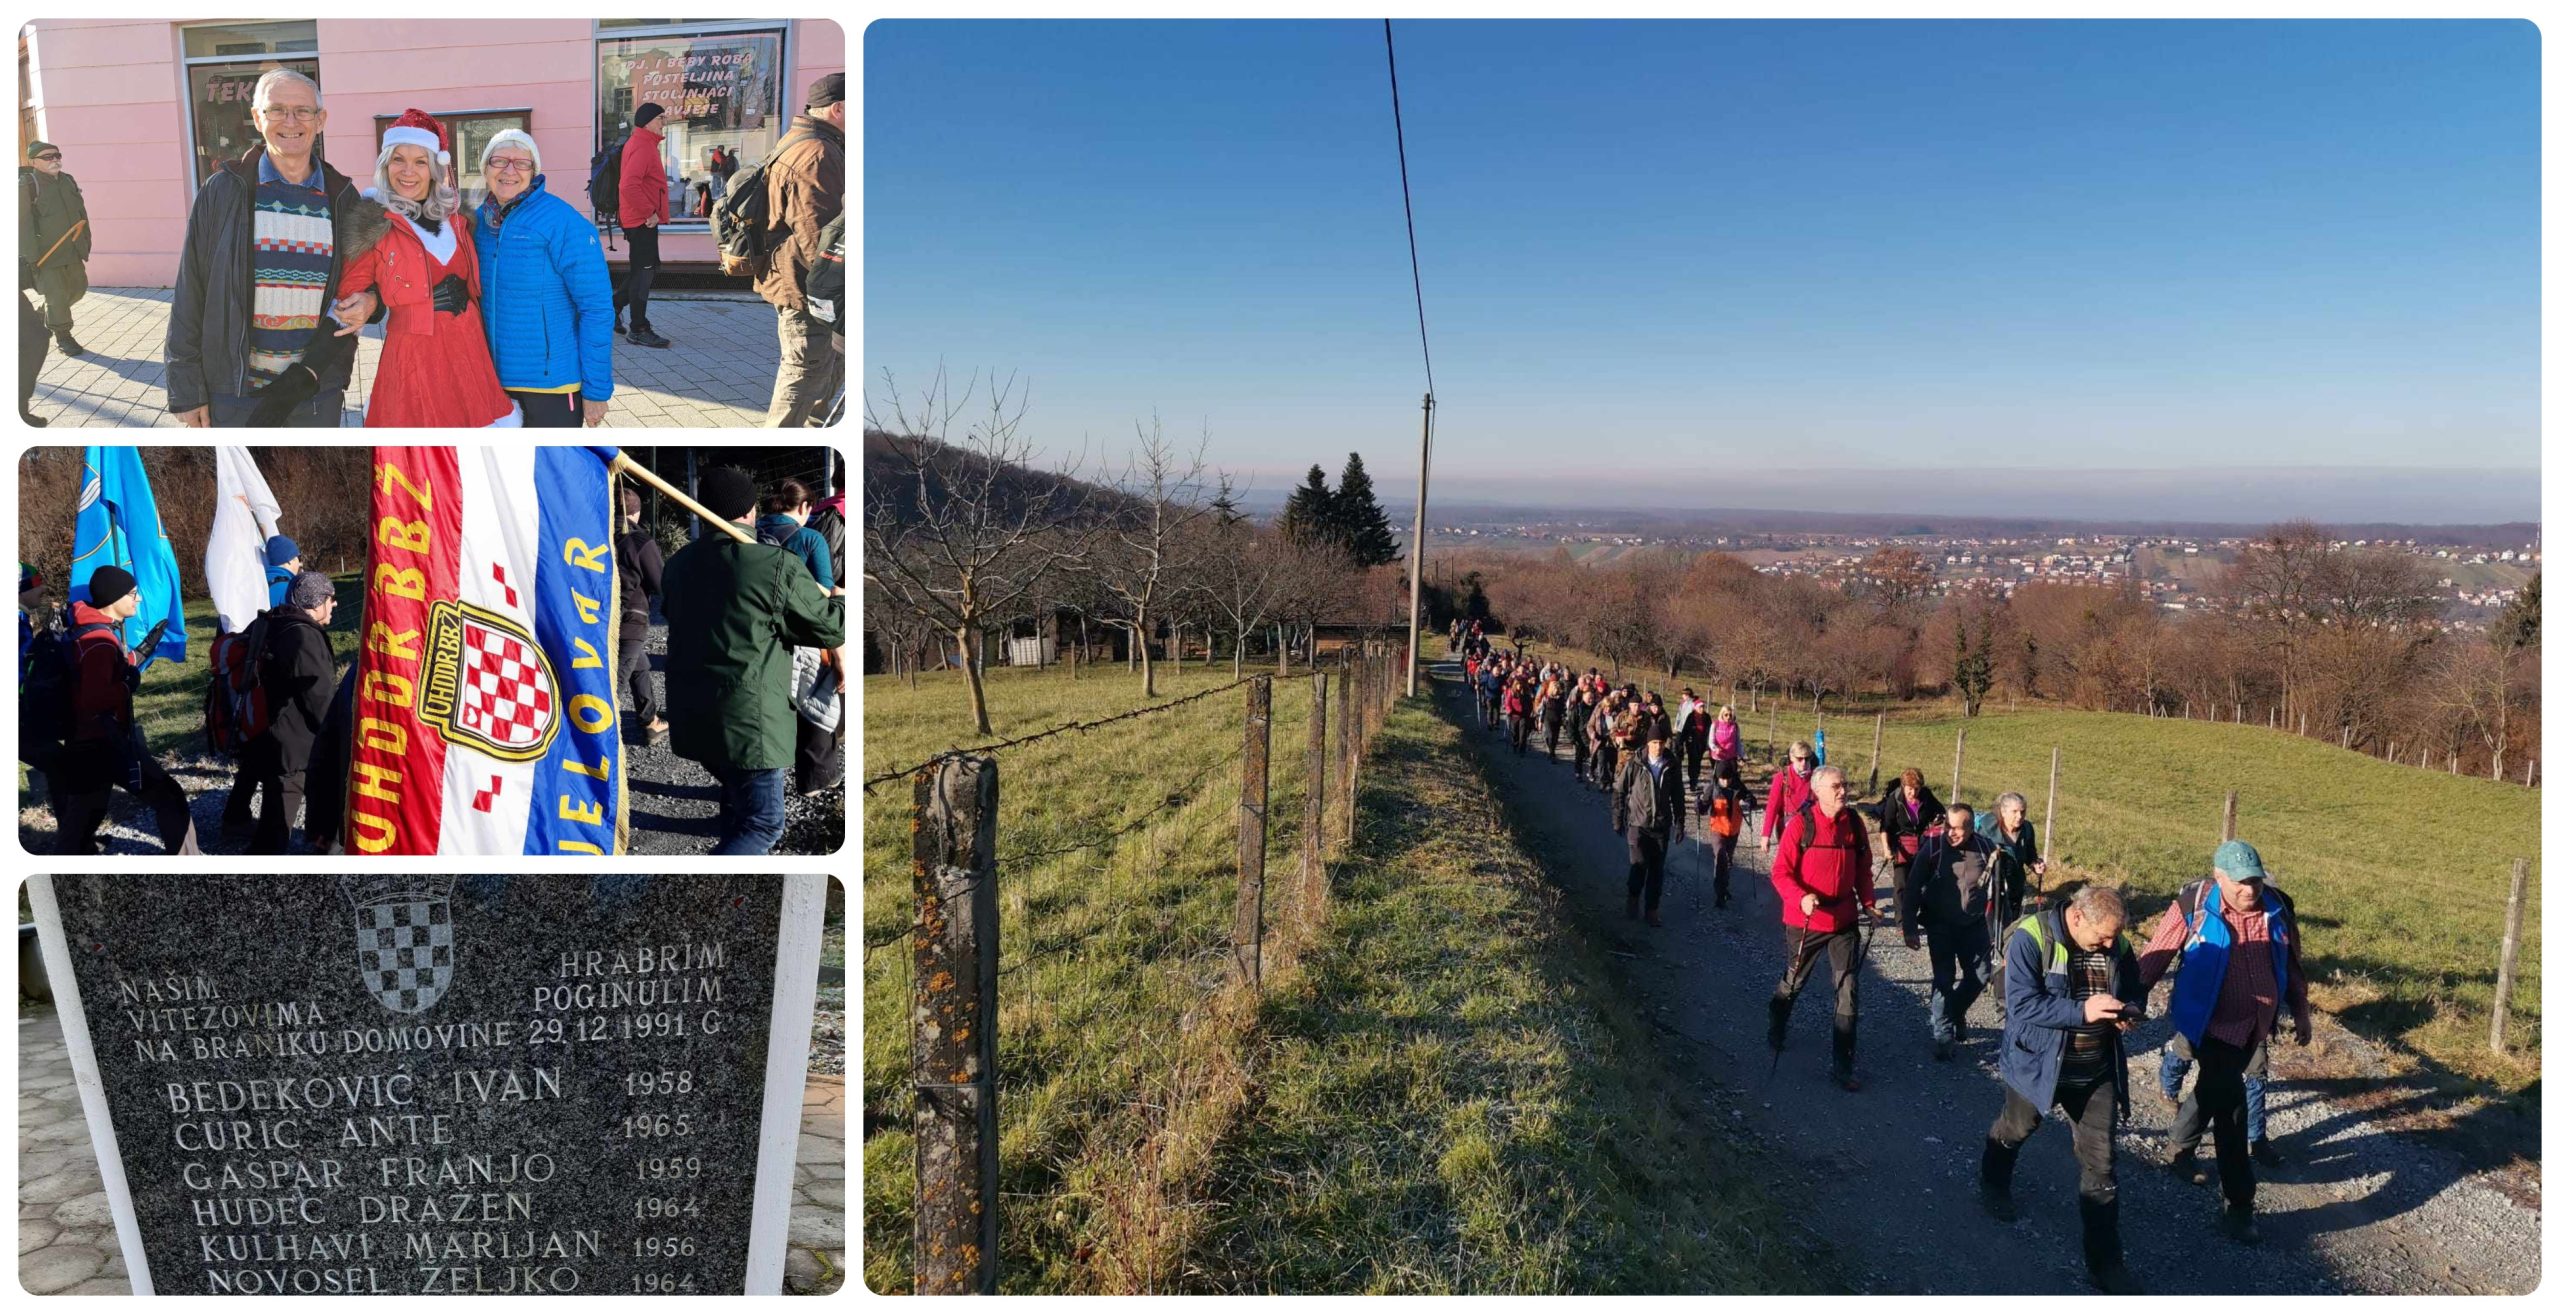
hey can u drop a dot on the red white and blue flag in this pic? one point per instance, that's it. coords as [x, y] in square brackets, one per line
[486, 719]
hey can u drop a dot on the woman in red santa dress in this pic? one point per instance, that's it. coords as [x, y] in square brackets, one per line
[435, 369]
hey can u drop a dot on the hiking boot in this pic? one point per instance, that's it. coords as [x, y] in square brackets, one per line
[2240, 1224]
[1944, 1050]
[69, 345]
[2263, 1153]
[2116, 1280]
[641, 337]
[2183, 1164]
[1999, 1162]
[1778, 1010]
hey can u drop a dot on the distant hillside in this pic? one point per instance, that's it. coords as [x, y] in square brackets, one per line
[884, 474]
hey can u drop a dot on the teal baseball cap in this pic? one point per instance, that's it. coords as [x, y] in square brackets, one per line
[2239, 861]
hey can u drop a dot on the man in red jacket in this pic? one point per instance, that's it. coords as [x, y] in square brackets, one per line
[644, 207]
[1790, 788]
[103, 752]
[1824, 875]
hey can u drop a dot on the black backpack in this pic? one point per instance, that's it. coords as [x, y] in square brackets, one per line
[44, 699]
[742, 226]
[604, 182]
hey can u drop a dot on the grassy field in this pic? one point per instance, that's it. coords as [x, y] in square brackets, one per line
[1456, 1101]
[2402, 874]
[1483, 1122]
[1116, 1027]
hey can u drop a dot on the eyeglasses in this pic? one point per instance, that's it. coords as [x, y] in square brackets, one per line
[509, 166]
[297, 113]
[50, 155]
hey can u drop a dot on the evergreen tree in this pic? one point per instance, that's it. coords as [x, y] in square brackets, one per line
[1223, 507]
[2519, 626]
[1360, 521]
[1309, 516]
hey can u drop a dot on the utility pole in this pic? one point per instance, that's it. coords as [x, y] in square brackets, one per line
[1413, 568]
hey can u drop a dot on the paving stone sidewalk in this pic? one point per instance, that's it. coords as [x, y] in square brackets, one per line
[67, 1239]
[719, 373]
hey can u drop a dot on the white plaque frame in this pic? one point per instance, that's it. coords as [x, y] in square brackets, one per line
[786, 1073]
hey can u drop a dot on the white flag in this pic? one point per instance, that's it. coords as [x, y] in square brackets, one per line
[235, 555]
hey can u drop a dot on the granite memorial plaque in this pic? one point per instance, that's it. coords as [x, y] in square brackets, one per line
[434, 1084]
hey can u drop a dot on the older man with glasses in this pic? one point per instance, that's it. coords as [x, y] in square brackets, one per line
[53, 240]
[267, 240]
[547, 299]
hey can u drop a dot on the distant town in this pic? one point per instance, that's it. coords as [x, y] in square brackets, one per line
[2175, 571]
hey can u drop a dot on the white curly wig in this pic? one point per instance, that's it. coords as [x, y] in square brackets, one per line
[442, 202]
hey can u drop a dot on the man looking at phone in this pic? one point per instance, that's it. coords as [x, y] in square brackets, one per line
[102, 751]
[2070, 974]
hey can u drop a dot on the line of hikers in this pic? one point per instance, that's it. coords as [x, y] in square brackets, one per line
[749, 681]
[2070, 979]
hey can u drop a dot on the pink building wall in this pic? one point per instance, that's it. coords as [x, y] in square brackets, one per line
[111, 93]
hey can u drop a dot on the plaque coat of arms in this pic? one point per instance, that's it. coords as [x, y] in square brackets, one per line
[404, 937]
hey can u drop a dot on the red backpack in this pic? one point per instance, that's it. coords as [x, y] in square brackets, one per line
[235, 699]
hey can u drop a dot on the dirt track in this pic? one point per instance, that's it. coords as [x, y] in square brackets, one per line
[1887, 1174]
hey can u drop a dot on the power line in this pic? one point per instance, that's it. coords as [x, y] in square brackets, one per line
[1395, 97]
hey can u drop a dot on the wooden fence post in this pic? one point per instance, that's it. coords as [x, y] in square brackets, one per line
[2052, 790]
[1875, 757]
[2453, 764]
[2423, 751]
[954, 1028]
[2231, 814]
[2392, 753]
[1347, 750]
[1955, 787]
[1251, 824]
[2304, 727]
[2507, 960]
[1311, 893]
[2528, 773]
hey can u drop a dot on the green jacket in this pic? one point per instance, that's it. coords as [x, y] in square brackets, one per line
[52, 217]
[734, 613]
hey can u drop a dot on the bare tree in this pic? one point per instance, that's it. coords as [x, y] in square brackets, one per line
[1145, 553]
[959, 533]
[1242, 577]
[1317, 580]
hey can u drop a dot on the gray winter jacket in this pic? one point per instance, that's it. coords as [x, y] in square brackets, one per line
[208, 343]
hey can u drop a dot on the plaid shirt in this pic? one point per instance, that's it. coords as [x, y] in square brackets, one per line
[2245, 1015]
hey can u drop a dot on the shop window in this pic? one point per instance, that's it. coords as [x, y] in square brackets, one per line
[244, 39]
[220, 97]
[724, 96]
[469, 134]
[224, 62]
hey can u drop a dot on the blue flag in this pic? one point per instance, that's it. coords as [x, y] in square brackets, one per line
[119, 525]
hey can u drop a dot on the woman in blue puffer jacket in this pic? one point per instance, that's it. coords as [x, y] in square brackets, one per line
[546, 298]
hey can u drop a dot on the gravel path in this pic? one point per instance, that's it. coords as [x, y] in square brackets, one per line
[1887, 1174]
[675, 805]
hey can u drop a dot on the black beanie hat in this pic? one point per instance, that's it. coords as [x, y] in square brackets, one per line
[108, 583]
[647, 114]
[728, 492]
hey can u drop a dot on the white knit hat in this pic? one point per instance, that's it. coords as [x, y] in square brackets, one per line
[511, 137]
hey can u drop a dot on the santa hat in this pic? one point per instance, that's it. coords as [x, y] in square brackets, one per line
[418, 128]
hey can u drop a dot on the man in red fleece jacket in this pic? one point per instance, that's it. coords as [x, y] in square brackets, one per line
[644, 207]
[1824, 875]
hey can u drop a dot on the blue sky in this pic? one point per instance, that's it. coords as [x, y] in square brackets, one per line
[1662, 255]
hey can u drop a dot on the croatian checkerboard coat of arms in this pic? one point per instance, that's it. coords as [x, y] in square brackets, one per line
[404, 937]
[489, 683]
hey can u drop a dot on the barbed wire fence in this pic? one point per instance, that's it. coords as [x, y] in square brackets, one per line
[1006, 982]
